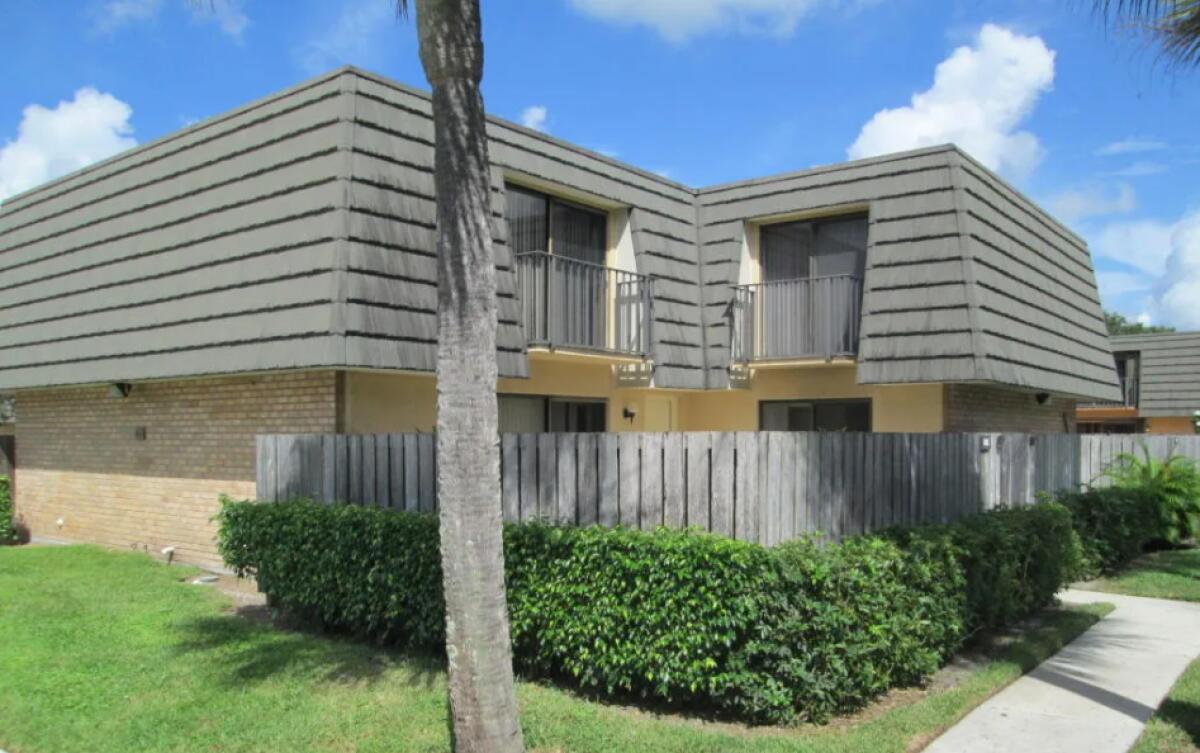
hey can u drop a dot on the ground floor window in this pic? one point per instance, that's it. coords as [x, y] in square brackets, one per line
[814, 415]
[526, 414]
[1109, 427]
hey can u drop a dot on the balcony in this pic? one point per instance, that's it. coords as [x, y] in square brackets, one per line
[807, 318]
[567, 304]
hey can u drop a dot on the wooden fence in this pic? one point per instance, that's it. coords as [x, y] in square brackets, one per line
[757, 486]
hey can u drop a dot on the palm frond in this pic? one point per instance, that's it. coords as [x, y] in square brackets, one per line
[1175, 24]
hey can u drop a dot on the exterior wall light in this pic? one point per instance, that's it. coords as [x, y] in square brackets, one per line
[985, 443]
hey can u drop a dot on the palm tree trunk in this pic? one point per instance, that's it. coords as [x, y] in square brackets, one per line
[483, 703]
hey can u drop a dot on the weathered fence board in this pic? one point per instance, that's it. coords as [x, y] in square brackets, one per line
[767, 487]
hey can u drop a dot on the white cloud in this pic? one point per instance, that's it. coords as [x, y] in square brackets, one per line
[1113, 284]
[1179, 299]
[1141, 244]
[1130, 146]
[1166, 256]
[1145, 319]
[980, 95]
[228, 15]
[359, 36]
[534, 117]
[679, 20]
[1139, 169]
[1092, 201]
[116, 13]
[53, 142]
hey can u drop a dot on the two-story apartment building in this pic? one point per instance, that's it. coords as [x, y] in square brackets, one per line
[272, 270]
[1160, 387]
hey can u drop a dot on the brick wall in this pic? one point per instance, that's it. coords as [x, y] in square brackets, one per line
[82, 461]
[986, 407]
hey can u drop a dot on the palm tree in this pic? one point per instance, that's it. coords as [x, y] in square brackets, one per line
[1175, 24]
[483, 703]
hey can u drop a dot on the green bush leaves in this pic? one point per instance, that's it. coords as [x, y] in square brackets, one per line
[799, 632]
[8, 534]
[1113, 525]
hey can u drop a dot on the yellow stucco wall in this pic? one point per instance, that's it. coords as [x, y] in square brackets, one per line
[390, 402]
[1170, 425]
[915, 407]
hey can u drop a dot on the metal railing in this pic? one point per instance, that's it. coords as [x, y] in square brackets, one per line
[1129, 396]
[802, 318]
[567, 303]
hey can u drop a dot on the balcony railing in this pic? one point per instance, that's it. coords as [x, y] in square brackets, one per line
[566, 303]
[1129, 396]
[803, 318]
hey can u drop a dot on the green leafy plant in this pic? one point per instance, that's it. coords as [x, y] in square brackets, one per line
[1113, 526]
[1174, 482]
[1013, 560]
[681, 618]
[8, 534]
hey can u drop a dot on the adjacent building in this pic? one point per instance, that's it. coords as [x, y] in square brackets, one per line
[1160, 387]
[272, 269]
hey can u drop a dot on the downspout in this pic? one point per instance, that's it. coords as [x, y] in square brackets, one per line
[347, 116]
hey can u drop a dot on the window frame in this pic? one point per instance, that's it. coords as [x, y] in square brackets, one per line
[813, 403]
[548, 202]
[765, 228]
[548, 400]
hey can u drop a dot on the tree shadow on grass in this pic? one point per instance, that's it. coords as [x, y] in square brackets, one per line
[239, 652]
[1184, 715]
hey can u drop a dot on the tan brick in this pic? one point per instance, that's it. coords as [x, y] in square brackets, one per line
[79, 460]
[987, 407]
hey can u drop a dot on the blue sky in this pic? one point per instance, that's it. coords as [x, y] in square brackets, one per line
[1082, 119]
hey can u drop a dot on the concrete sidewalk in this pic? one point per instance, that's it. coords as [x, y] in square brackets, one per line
[1097, 693]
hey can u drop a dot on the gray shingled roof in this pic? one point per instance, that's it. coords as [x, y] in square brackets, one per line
[297, 232]
[1169, 379]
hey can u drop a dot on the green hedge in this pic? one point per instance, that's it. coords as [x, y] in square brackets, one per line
[684, 618]
[863, 617]
[1013, 560]
[8, 534]
[1114, 525]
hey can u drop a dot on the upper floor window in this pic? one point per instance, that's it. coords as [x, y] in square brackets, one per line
[539, 222]
[1127, 372]
[814, 248]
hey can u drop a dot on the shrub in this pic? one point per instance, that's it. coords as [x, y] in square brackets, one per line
[676, 616]
[864, 617]
[1014, 560]
[348, 568]
[673, 616]
[1113, 525]
[1174, 482]
[8, 534]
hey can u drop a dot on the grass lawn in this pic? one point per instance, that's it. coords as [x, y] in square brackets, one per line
[1173, 574]
[1175, 727]
[106, 651]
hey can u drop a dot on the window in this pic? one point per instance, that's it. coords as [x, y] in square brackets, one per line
[522, 414]
[815, 415]
[814, 248]
[1127, 372]
[538, 222]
